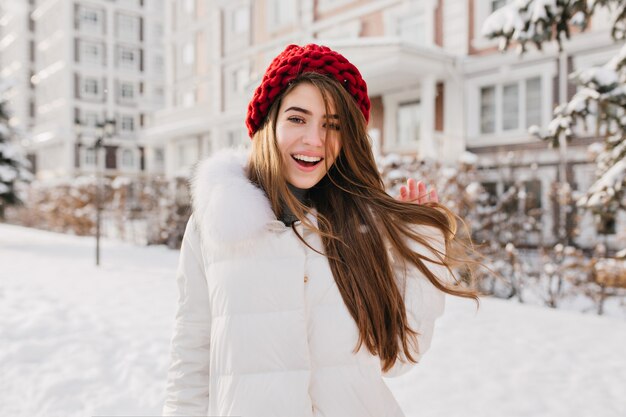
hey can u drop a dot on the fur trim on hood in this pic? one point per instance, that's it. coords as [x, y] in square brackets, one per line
[227, 207]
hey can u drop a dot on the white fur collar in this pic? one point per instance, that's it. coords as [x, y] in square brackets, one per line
[227, 207]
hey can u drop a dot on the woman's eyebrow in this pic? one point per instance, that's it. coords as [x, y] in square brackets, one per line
[300, 109]
[305, 111]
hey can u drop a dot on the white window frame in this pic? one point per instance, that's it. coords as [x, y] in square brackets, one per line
[158, 158]
[84, 17]
[234, 137]
[190, 6]
[240, 20]
[391, 104]
[275, 21]
[188, 99]
[159, 64]
[90, 118]
[236, 78]
[133, 159]
[124, 88]
[88, 157]
[186, 152]
[85, 92]
[416, 20]
[124, 62]
[239, 78]
[91, 58]
[189, 54]
[127, 26]
[544, 70]
[123, 127]
[404, 142]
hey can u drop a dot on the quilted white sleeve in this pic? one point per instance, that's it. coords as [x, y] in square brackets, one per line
[187, 390]
[423, 301]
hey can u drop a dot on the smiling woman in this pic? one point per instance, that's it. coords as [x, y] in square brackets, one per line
[302, 282]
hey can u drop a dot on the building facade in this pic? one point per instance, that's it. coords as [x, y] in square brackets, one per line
[436, 85]
[81, 63]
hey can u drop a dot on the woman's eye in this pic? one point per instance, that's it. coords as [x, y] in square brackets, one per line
[295, 119]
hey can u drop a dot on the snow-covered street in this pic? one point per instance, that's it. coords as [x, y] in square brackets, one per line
[77, 340]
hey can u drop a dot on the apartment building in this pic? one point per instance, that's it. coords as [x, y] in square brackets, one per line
[81, 63]
[437, 86]
[17, 60]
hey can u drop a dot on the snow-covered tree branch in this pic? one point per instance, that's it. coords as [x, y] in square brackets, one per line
[602, 96]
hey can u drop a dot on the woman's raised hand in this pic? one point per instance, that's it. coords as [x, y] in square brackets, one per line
[416, 193]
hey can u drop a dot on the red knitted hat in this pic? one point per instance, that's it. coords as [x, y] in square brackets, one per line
[295, 60]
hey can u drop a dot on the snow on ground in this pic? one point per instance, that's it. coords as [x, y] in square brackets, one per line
[81, 341]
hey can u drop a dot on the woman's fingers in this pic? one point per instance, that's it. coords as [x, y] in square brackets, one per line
[403, 193]
[415, 191]
[412, 189]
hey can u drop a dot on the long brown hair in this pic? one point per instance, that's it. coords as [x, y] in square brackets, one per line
[357, 217]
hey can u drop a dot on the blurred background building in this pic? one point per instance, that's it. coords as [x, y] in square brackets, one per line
[177, 75]
[77, 64]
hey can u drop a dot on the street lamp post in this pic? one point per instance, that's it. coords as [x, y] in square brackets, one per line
[103, 130]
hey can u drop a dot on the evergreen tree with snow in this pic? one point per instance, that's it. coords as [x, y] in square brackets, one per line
[13, 165]
[602, 95]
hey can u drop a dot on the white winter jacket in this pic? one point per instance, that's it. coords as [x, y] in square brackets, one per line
[261, 328]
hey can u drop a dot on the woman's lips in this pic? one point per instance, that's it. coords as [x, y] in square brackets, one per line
[306, 166]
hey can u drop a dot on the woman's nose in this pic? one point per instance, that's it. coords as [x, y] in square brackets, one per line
[314, 135]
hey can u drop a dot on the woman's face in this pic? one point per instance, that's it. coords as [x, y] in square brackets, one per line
[301, 128]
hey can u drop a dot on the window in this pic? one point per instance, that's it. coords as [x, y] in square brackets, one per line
[510, 107]
[128, 124]
[89, 17]
[186, 154]
[496, 4]
[90, 52]
[487, 109]
[533, 102]
[127, 57]
[189, 99]
[281, 13]
[90, 87]
[90, 119]
[408, 123]
[520, 104]
[411, 29]
[605, 223]
[89, 157]
[159, 63]
[240, 20]
[128, 26]
[234, 138]
[533, 195]
[491, 188]
[188, 54]
[127, 91]
[190, 6]
[128, 158]
[239, 78]
[159, 157]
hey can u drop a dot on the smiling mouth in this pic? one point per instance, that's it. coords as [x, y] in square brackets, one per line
[307, 162]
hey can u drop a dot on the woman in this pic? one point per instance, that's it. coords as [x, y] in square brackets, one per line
[302, 283]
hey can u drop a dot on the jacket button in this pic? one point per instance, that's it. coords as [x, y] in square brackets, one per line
[306, 279]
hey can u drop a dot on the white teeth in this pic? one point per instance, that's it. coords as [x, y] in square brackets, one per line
[307, 158]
